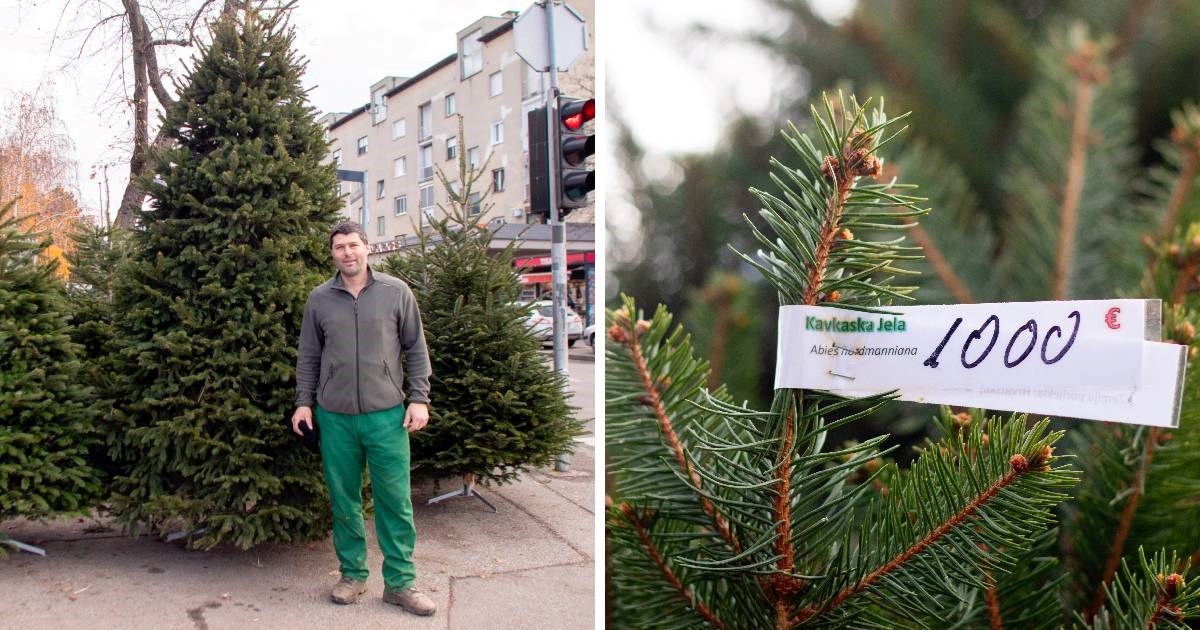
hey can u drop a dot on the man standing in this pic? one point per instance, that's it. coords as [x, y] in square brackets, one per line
[357, 327]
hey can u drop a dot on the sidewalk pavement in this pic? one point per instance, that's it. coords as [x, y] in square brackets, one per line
[530, 565]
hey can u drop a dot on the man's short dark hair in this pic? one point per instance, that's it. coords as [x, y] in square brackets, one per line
[348, 227]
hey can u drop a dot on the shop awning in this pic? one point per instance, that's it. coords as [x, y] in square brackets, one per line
[534, 278]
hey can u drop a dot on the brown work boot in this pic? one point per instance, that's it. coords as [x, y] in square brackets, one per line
[347, 591]
[412, 600]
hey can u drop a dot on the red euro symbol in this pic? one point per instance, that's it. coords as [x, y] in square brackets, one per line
[1110, 318]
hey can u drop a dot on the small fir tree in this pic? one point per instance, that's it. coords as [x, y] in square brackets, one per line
[97, 254]
[497, 407]
[730, 517]
[47, 421]
[208, 309]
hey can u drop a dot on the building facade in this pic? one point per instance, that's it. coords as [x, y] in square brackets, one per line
[408, 132]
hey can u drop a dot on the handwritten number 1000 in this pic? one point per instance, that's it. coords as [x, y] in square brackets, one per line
[1015, 343]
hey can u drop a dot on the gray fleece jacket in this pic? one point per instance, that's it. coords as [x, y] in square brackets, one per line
[351, 349]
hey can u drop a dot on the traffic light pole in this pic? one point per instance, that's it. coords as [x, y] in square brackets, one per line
[558, 241]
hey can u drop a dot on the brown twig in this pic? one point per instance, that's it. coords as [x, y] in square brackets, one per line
[1019, 466]
[941, 267]
[829, 230]
[993, 602]
[1180, 192]
[654, 401]
[1087, 72]
[1123, 526]
[652, 551]
[785, 586]
[1184, 279]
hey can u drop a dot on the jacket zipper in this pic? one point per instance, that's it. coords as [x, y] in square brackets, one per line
[357, 360]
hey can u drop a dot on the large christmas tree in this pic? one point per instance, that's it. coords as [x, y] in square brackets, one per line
[47, 424]
[497, 408]
[733, 517]
[208, 309]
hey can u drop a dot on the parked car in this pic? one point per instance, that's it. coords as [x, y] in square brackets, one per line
[541, 322]
[541, 326]
[589, 333]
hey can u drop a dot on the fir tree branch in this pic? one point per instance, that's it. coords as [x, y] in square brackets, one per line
[1117, 550]
[1088, 71]
[1018, 465]
[1151, 595]
[648, 545]
[654, 401]
[993, 602]
[954, 284]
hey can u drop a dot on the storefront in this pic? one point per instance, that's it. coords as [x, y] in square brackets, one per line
[536, 283]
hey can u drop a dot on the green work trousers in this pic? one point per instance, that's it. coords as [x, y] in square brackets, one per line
[379, 438]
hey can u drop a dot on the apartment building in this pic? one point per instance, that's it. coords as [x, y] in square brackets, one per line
[409, 130]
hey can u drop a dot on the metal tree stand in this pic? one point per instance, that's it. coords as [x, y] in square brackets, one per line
[468, 490]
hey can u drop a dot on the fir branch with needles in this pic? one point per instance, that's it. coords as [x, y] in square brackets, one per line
[727, 516]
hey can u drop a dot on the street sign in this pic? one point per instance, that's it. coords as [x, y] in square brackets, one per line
[570, 36]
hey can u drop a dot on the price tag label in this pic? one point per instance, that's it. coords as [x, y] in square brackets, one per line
[1095, 359]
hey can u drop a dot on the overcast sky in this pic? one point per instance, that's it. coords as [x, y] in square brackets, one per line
[347, 48]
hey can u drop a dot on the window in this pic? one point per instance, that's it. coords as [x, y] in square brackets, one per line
[400, 167]
[531, 82]
[497, 180]
[337, 157]
[379, 189]
[401, 204]
[498, 132]
[378, 106]
[451, 148]
[473, 204]
[426, 204]
[451, 105]
[399, 128]
[362, 145]
[470, 53]
[424, 123]
[425, 161]
[473, 157]
[381, 225]
[495, 84]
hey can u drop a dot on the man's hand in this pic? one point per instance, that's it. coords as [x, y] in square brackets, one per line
[303, 414]
[416, 417]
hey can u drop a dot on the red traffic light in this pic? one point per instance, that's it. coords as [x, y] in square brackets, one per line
[574, 113]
